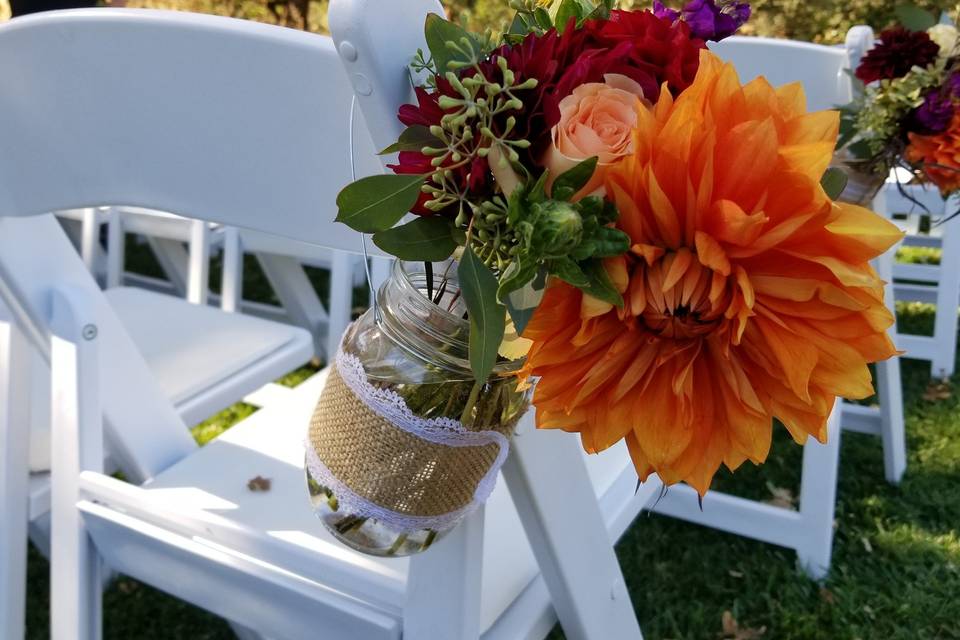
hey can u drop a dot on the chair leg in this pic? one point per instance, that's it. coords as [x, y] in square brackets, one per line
[77, 445]
[89, 240]
[818, 495]
[443, 587]
[555, 499]
[890, 390]
[116, 251]
[14, 474]
[231, 285]
[174, 261]
[296, 294]
[198, 277]
[948, 297]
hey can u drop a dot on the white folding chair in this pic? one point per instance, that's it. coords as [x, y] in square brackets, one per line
[192, 527]
[937, 284]
[809, 529]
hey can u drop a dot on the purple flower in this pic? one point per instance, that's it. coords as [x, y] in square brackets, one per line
[662, 11]
[709, 21]
[953, 85]
[936, 112]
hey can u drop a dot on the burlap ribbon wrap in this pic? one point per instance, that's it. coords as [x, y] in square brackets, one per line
[382, 461]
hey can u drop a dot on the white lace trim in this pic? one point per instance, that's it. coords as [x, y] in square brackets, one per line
[351, 503]
[444, 431]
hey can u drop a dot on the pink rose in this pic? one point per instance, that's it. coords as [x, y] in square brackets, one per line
[597, 119]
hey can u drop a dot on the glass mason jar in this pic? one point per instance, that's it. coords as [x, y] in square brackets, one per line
[414, 343]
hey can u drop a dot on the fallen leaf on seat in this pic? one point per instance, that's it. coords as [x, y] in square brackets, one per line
[259, 484]
[732, 630]
[938, 390]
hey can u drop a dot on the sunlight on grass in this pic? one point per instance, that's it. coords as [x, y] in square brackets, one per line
[294, 378]
[919, 255]
[214, 426]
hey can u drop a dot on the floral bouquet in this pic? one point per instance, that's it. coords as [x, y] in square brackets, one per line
[601, 211]
[906, 116]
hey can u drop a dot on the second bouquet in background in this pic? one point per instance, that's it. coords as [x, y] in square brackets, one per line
[906, 116]
[603, 213]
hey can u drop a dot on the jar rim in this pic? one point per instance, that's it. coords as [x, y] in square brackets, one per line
[402, 273]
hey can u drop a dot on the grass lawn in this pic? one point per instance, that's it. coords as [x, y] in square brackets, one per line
[895, 574]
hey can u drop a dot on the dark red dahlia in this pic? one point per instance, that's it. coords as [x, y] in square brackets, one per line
[898, 51]
[649, 49]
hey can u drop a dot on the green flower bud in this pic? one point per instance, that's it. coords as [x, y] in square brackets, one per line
[557, 230]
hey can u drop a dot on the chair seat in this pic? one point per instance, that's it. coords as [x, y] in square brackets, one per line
[270, 444]
[205, 359]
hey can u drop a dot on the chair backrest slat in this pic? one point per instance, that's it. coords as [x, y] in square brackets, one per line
[208, 117]
[377, 40]
[823, 71]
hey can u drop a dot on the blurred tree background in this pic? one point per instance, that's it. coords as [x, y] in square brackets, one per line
[823, 21]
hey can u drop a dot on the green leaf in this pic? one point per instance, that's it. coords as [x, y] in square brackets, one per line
[570, 182]
[438, 32]
[519, 26]
[568, 9]
[378, 202]
[517, 274]
[570, 272]
[426, 239]
[602, 12]
[848, 129]
[538, 192]
[600, 286]
[834, 181]
[478, 286]
[413, 138]
[543, 18]
[610, 243]
[915, 18]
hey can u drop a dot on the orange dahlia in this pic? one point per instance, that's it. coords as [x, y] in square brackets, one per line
[939, 155]
[747, 292]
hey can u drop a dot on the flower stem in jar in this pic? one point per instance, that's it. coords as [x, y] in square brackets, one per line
[471, 400]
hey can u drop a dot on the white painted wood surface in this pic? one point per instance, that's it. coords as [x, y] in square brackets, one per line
[14, 471]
